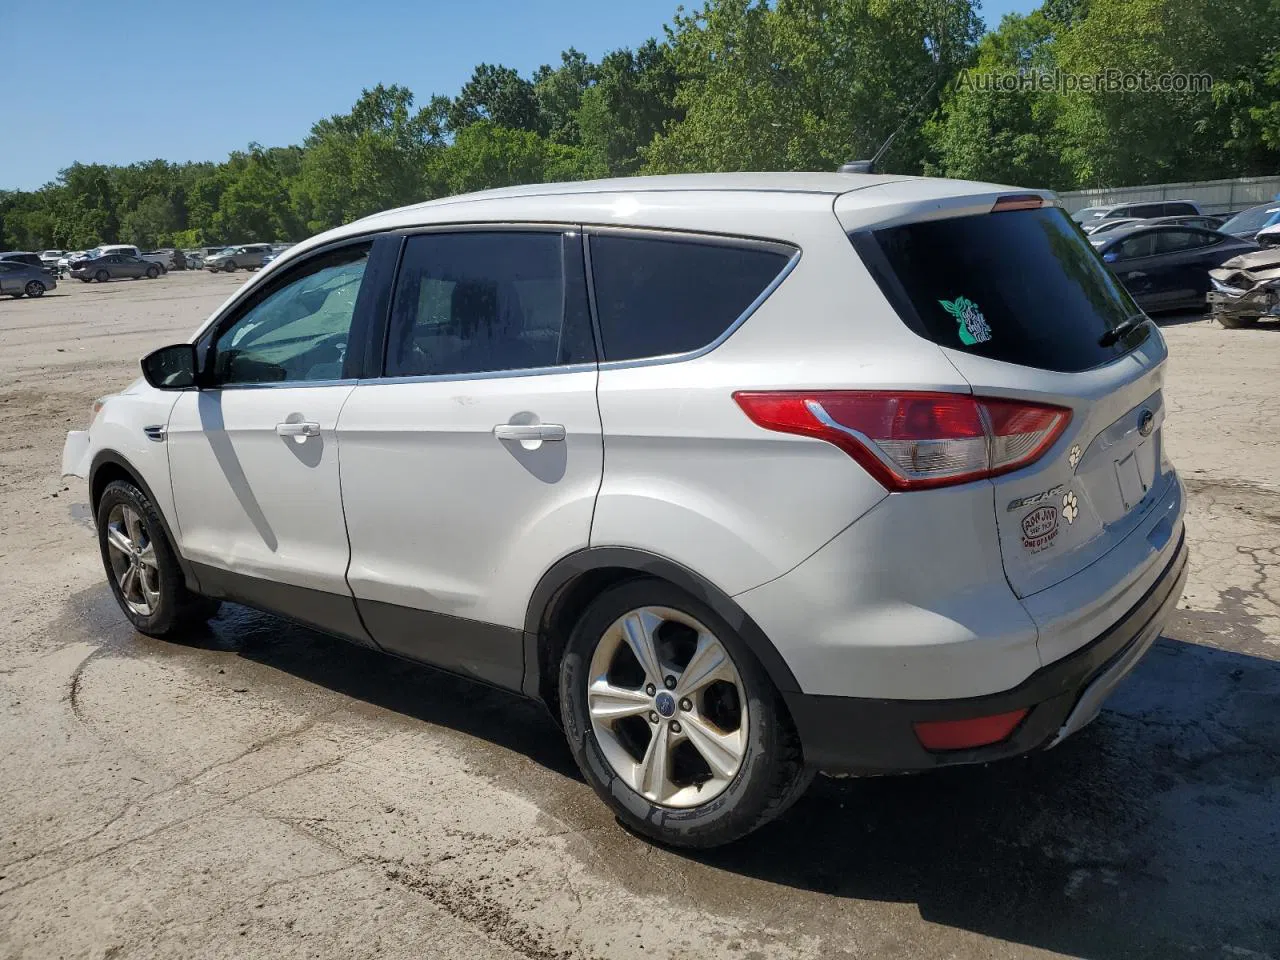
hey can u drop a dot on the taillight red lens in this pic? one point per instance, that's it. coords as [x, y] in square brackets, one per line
[912, 441]
[967, 734]
[1018, 201]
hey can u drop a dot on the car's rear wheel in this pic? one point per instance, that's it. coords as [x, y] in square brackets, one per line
[673, 721]
[153, 272]
[102, 276]
[142, 567]
[229, 267]
[34, 289]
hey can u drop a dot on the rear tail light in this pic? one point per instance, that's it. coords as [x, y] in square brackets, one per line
[967, 734]
[914, 441]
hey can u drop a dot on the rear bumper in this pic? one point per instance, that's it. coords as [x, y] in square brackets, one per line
[863, 736]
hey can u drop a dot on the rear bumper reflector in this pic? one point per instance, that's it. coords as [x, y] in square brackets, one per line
[967, 734]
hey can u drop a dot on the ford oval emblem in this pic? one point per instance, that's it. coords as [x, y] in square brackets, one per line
[1146, 422]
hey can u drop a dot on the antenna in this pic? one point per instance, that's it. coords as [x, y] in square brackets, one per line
[869, 166]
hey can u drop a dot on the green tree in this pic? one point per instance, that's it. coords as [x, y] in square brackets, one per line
[497, 94]
[1002, 136]
[631, 101]
[809, 84]
[371, 159]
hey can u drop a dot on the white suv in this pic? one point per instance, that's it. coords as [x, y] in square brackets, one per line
[744, 476]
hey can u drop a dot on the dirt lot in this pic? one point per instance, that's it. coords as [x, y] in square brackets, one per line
[262, 791]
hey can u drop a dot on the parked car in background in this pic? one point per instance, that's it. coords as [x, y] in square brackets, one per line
[1245, 289]
[1187, 220]
[50, 258]
[245, 257]
[195, 259]
[114, 266]
[1098, 230]
[831, 472]
[1143, 210]
[65, 262]
[20, 279]
[1167, 267]
[1247, 223]
[22, 256]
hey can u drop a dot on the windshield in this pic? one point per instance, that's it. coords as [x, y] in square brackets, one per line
[1253, 219]
[1020, 286]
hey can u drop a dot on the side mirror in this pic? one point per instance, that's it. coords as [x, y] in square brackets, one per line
[171, 368]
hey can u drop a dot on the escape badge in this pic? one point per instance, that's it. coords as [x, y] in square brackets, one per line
[973, 325]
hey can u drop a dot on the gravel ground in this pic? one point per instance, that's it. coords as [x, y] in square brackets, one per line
[263, 791]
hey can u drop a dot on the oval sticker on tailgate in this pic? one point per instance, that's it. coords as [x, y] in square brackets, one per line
[1039, 528]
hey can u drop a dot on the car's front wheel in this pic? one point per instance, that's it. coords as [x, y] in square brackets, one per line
[142, 567]
[672, 720]
[229, 267]
[102, 276]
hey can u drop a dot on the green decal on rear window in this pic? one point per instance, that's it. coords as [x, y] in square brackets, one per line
[973, 325]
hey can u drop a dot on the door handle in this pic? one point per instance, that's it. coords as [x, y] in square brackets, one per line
[529, 431]
[308, 428]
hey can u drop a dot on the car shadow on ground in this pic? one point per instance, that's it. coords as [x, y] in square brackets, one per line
[1152, 833]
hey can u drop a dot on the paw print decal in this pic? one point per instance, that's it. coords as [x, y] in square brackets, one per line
[1070, 507]
[1074, 456]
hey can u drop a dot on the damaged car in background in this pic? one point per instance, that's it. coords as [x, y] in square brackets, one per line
[1245, 289]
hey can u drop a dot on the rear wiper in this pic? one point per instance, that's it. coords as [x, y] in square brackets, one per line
[1128, 325]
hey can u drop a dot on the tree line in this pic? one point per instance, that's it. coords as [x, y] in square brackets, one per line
[736, 85]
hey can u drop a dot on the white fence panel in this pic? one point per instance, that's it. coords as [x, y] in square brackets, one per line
[1213, 196]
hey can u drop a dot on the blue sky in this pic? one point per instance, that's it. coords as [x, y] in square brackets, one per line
[193, 80]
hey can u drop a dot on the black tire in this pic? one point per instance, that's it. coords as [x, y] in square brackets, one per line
[102, 276]
[772, 774]
[85, 280]
[178, 609]
[1235, 323]
[35, 289]
[229, 266]
[153, 272]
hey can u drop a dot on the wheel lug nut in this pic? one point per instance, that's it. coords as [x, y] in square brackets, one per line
[686, 704]
[653, 716]
[675, 726]
[650, 689]
[670, 683]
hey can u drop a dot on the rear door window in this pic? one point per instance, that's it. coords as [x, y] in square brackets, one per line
[487, 302]
[1178, 208]
[659, 296]
[1020, 286]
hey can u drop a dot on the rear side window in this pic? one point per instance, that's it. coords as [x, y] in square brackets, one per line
[1020, 286]
[1180, 207]
[477, 302]
[1143, 245]
[657, 296]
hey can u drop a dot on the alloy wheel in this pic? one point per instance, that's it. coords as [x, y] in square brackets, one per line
[133, 560]
[35, 289]
[668, 707]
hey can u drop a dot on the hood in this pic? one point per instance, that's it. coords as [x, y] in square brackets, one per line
[1249, 269]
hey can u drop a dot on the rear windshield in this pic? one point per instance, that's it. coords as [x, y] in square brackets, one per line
[1022, 286]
